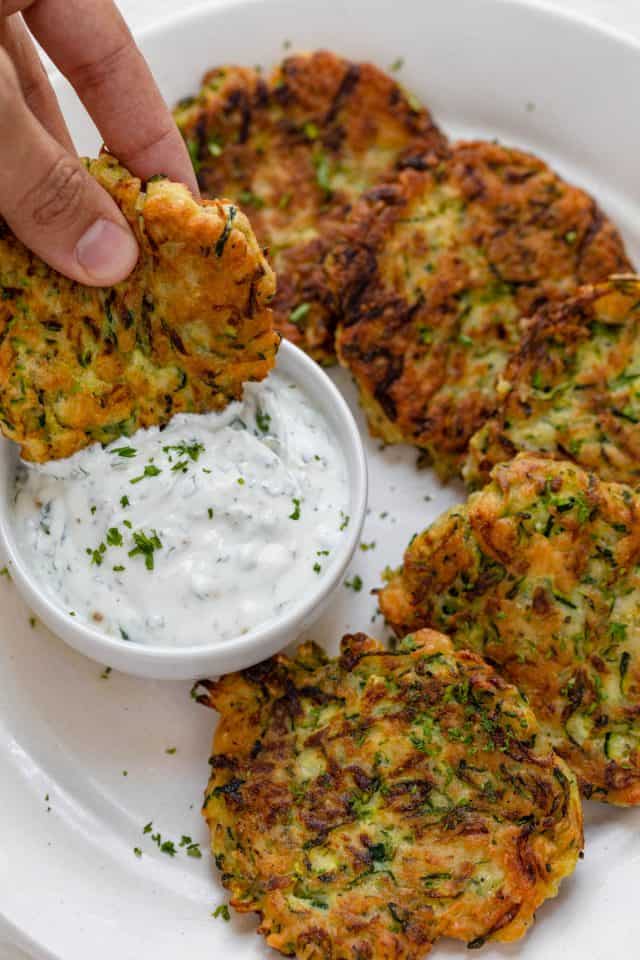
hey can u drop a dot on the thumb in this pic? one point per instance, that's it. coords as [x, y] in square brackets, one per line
[52, 203]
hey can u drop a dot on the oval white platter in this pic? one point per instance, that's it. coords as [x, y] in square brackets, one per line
[83, 761]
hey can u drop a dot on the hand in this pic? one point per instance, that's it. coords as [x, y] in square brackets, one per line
[49, 200]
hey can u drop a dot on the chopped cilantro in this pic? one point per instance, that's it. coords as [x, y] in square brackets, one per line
[222, 911]
[263, 421]
[125, 451]
[145, 546]
[168, 847]
[295, 515]
[317, 568]
[149, 471]
[114, 537]
[93, 509]
[344, 520]
[191, 450]
[124, 501]
[137, 851]
[210, 513]
[171, 750]
[354, 584]
[105, 673]
[240, 480]
[368, 546]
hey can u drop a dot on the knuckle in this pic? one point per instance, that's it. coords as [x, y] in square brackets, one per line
[58, 197]
[94, 74]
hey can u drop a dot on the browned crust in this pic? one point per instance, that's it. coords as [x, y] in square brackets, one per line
[296, 150]
[365, 806]
[435, 275]
[182, 333]
[571, 388]
[538, 573]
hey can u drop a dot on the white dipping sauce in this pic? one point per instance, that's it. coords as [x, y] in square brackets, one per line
[193, 534]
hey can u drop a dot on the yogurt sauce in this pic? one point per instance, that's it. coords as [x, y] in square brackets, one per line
[193, 534]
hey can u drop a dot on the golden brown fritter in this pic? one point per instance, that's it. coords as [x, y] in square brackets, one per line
[572, 388]
[367, 805]
[296, 150]
[435, 275]
[188, 327]
[540, 574]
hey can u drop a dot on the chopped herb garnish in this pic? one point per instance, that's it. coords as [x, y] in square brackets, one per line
[317, 568]
[5, 573]
[148, 827]
[93, 509]
[397, 65]
[368, 546]
[193, 850]
[114, 537]
[105, 673]
[171, 750]
[354, 584]
[124, 501]
[149, 471]
[137, 851]
[182, 465]
[311, 131]
[168, 847]
[118, 568]
[222, 911]
[145, 545]
[240, 480]
[32, 622]
[125, 451]
[571, 236]
[299, 313]
[295, 515]
[263, 421]
[344, 520]
[191, 450]
[210, 513]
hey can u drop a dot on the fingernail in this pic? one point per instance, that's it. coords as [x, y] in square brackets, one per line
[107, 252]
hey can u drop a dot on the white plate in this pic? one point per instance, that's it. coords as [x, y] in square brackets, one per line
[70, 885]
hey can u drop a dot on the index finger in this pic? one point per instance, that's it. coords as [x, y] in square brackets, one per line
[92, 46]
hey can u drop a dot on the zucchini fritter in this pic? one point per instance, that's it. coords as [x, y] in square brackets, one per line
[296, 150]
[182, 333]
[572, 388]
[540, 574]
[435, 275]
[367, 805]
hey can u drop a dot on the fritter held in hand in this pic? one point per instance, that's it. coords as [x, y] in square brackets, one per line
[540, 574]
[365, 806]
[188, 327]
[572, 388]
[296, 150]
[435, 276]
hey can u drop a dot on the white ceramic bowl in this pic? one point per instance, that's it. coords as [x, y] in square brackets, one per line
[249, 648]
